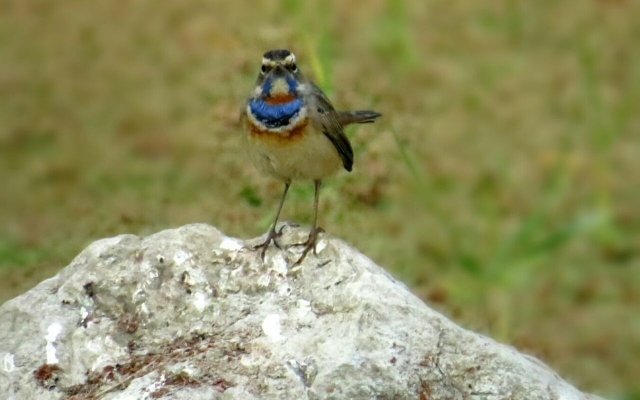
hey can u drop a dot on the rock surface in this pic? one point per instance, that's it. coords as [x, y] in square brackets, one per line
[189, 313]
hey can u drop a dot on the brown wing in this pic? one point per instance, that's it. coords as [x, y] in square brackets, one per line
[324, 114]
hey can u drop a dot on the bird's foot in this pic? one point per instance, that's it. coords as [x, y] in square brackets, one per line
[272, 236]
[308, 244]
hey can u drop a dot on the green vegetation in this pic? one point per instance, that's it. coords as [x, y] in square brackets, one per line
[502, 183]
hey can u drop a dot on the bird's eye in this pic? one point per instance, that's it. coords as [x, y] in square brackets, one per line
[293, 67]
[263, 69]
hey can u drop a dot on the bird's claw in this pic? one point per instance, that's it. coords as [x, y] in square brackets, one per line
[309, 244]
[272, 236]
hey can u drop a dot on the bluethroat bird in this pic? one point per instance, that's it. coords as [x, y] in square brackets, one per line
[294, 133]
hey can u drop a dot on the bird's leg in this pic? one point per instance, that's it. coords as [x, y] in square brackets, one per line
[310, 243]
[273, 234]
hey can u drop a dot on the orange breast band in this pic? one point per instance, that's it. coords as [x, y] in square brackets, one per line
[280, 98]
[286, 135]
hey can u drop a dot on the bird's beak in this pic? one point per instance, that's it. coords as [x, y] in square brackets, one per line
[278, 70]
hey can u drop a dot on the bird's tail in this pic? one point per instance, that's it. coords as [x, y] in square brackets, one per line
[357, 117]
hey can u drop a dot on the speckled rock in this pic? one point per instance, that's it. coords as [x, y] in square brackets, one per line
[192, 314]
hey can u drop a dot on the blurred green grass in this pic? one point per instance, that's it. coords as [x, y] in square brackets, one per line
[502, 182]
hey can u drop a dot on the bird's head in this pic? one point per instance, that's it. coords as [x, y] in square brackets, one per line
[278, 78]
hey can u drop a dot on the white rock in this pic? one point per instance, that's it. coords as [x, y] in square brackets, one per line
[247, 329]
[272, 328]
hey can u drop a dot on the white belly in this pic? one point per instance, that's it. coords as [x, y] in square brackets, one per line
[310, 156]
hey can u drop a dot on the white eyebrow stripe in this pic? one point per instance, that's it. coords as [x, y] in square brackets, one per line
[268, 62]
[290, 59]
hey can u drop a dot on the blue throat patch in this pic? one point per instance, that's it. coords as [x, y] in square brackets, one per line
[274, 115]
[292, 83]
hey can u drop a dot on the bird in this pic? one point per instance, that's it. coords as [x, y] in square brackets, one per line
[293, 133]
